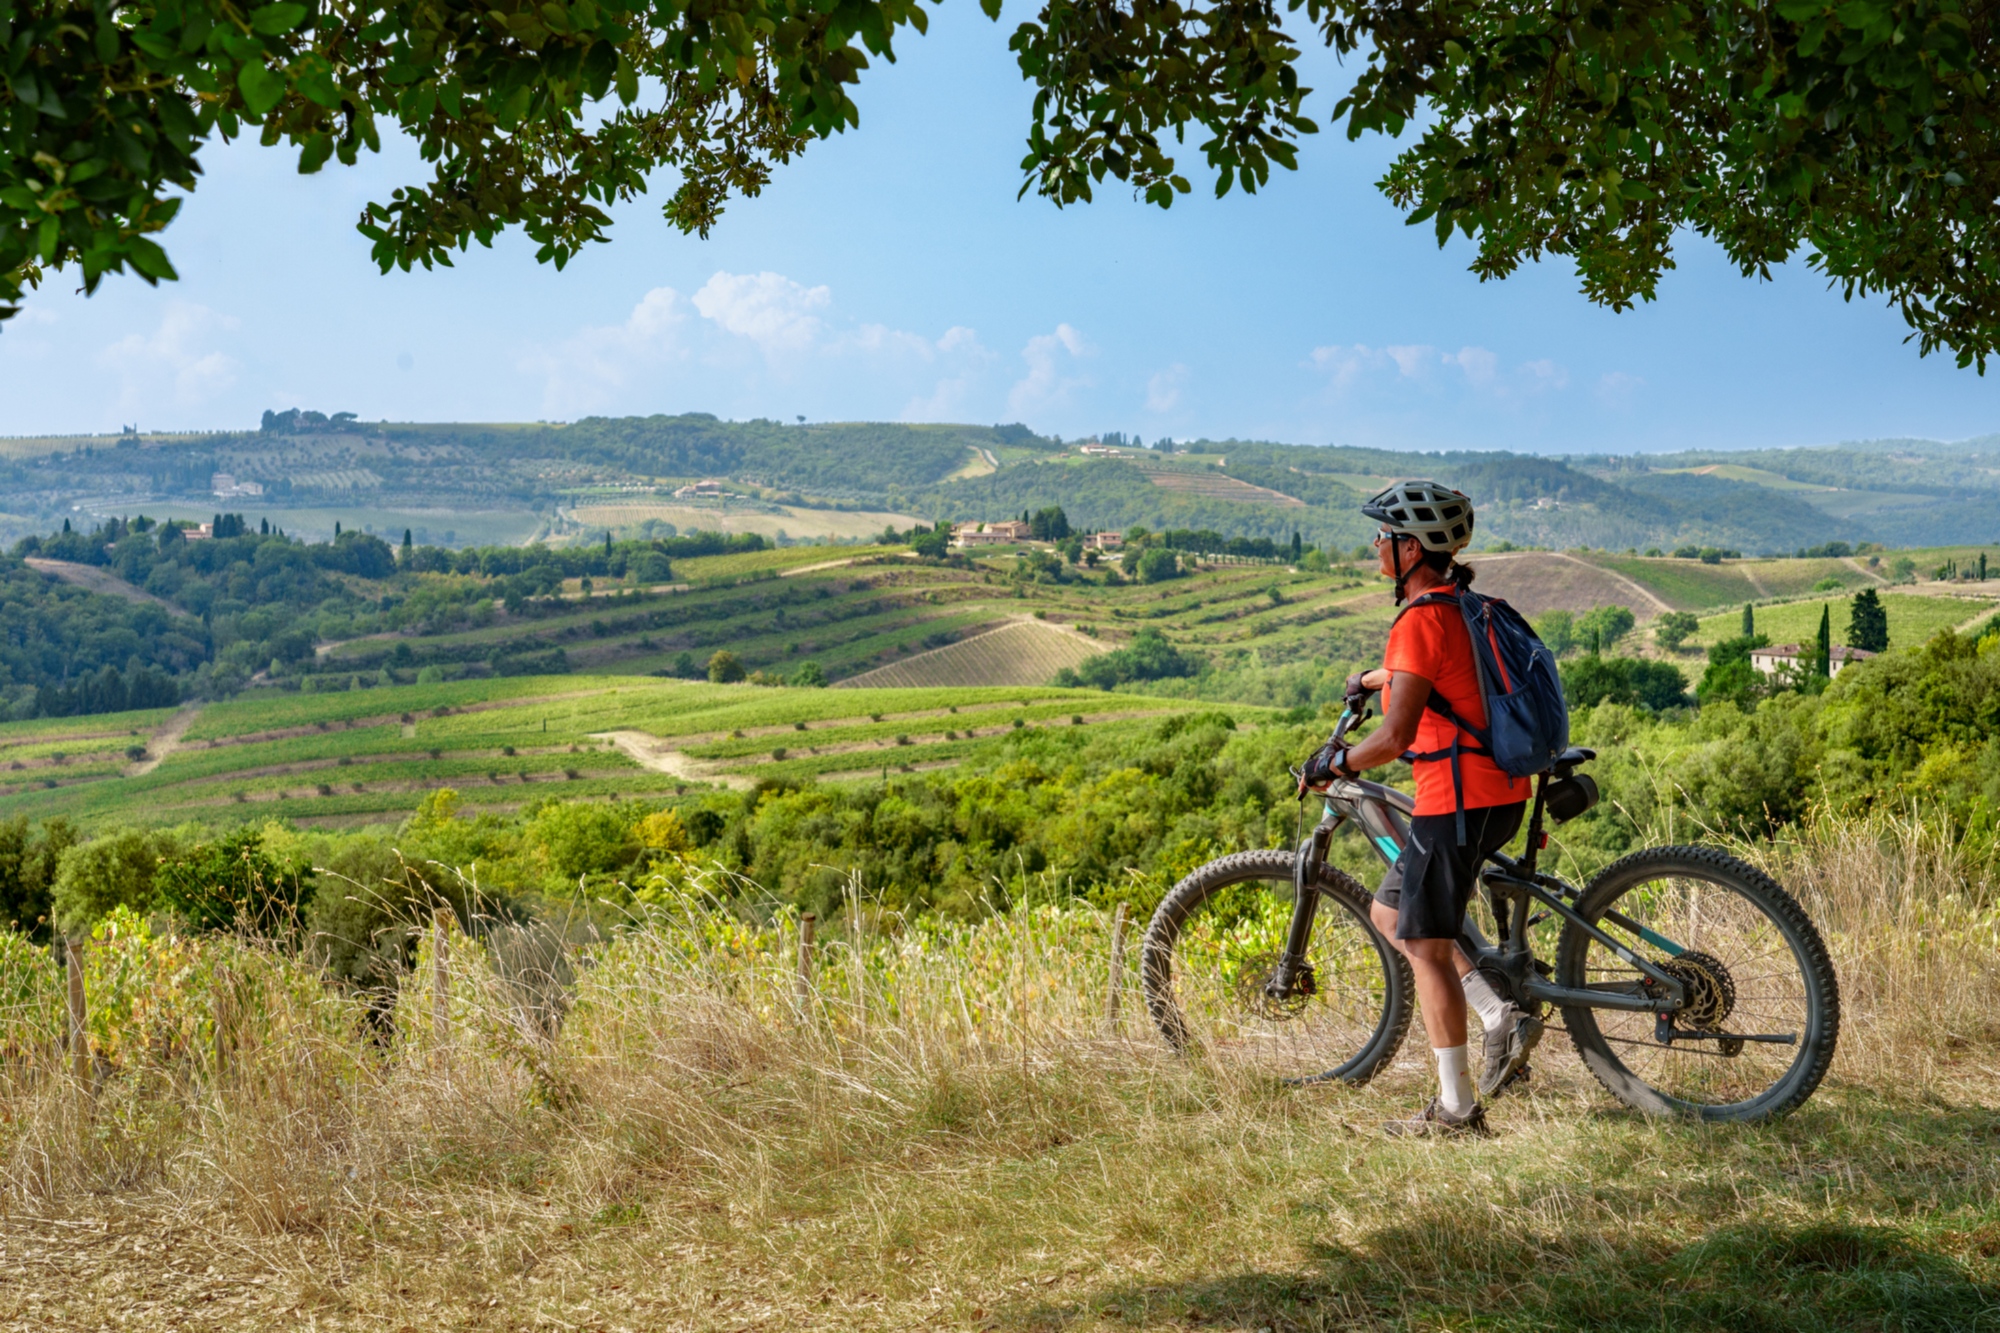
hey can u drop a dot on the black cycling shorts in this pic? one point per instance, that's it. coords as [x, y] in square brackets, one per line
[1444, 872]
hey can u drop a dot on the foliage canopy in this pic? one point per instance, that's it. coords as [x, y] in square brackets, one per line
[1863, 133]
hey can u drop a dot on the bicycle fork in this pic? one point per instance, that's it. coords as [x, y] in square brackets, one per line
[1294, 974]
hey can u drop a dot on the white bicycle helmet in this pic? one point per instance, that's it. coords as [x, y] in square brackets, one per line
[1439, 517]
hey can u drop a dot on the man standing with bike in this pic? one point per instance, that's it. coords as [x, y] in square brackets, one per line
[1466, 806]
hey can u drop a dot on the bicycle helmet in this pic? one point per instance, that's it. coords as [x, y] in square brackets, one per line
[1439, 517]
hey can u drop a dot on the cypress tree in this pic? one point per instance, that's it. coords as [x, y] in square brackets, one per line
[607, 541]
[1823, 656]
[1868, 623]
[1749, 621]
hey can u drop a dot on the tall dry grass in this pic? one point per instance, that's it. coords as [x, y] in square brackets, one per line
[227, 1077]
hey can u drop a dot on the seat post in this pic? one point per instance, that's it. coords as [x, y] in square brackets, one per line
[1532, 853]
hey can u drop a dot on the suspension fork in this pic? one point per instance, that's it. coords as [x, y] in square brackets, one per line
[1293, 973]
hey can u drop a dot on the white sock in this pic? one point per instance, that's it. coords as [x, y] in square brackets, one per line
[1485, 1001]
[1454, 1080]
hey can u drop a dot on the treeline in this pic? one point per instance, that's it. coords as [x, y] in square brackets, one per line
[250, 599]
[866, 459]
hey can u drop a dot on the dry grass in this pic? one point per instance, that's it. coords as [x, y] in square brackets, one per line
[947, 1136]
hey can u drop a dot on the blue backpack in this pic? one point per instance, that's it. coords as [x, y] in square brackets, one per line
[1527, 718]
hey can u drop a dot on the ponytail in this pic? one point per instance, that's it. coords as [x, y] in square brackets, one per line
[1460, 576]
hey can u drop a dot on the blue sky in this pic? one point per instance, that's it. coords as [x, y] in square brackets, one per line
[892, 275]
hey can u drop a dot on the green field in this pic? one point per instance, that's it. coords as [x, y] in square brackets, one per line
[371, 755]
[1913, 618]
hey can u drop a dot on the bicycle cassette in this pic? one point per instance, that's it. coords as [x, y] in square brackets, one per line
[1711, 991]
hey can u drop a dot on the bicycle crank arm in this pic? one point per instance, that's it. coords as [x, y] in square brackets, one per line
[1629, 1000]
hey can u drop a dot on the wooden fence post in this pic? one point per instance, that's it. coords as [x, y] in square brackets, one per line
[802, 984]
[1117, 982]
[79, 1017]
[441, 974]
[224, 1016]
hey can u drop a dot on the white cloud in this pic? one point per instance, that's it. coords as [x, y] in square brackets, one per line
[1163, 390]
[675, 351]
[952, 396]
[1045, 386]
[1544, 374]
[177, 363]
[1479, 365]
[588, 370]
[1480, 370]
[767, 308]
[1410, 361]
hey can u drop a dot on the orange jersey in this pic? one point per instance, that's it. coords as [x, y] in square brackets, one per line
[1430, 641]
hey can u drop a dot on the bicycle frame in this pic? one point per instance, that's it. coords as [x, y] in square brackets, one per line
[1383, 816]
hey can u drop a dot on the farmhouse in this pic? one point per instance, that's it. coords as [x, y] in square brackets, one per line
[1101, 449]
[698, 490]
[1786, 656]
[1104, 541]
[989, 534]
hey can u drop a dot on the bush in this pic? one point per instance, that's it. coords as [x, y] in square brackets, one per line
[724, 668]
[1148, 657]
[1675, 628]
[231, 883]
[1557, 629]
[1157, 565]
[1602, 626]
[115, 870]
[1596, 679]
[808, 675]
[1729, 676]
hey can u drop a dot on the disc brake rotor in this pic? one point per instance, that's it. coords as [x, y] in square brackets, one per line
[1255, 974]
[1711, 991]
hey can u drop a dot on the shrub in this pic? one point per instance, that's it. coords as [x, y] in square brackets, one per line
[1148, 657]
[233, 883]
[1675, 628]
[809, 676]
[115, 870]
[724, 668]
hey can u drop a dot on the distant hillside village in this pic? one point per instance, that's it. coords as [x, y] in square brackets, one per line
[1009, 532]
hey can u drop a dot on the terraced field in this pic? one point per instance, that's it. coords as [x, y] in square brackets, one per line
[1027, 652]
[369, 756]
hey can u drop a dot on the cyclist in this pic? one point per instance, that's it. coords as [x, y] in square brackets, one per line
[1421, 903]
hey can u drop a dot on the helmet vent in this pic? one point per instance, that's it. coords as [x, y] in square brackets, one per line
[1425, 515]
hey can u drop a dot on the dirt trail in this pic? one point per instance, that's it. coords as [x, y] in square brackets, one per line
[165, 741]
[1862, 569]
[650, 752]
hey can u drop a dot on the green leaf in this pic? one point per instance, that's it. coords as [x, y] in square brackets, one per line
[150, 260]
[273, 20]
[262, 87]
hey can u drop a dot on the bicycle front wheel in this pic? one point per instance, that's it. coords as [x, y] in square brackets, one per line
[1763, 1005]
[1215, 941]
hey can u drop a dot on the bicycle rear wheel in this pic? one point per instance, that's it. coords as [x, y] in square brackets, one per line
[1216, 938]
[1763, 1011]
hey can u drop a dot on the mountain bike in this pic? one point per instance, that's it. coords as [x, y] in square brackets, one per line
[1690, 982]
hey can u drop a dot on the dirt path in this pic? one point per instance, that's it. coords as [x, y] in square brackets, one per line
[95, 579]
[165, 741]
[1863, 570]
[653, 753]
[1756, 582]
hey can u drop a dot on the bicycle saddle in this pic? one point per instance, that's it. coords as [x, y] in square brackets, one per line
[1570, 758]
